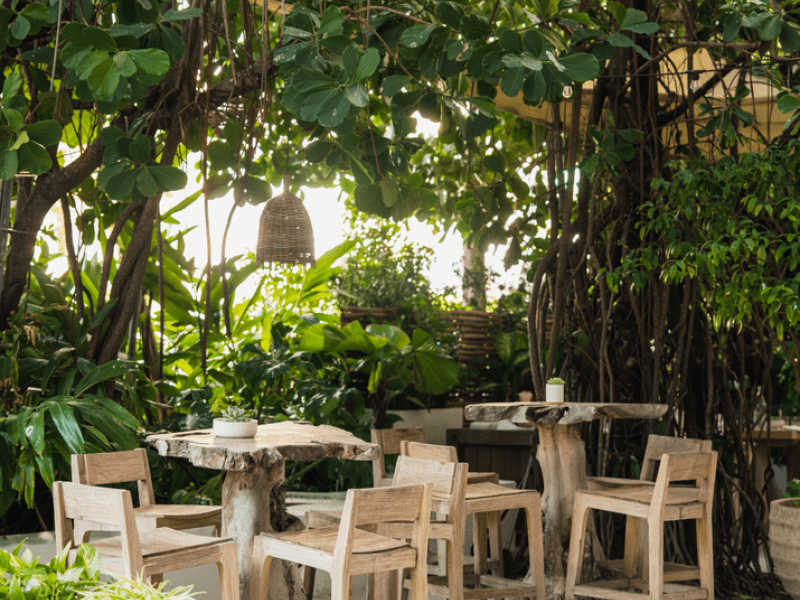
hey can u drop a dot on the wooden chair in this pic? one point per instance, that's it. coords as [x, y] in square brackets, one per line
[669, 499]
[349, 549]
[657, 446]
[132, 465]
[134, 553]
[484, 498]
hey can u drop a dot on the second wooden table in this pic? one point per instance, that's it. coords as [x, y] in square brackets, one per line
[562, 457]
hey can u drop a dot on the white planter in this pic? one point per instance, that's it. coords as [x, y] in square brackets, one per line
[231, 429]
[784, 540]
[554, 394]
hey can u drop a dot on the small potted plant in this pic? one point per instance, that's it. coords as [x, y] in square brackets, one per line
[235, 422]
[554, 391]
[784, 538]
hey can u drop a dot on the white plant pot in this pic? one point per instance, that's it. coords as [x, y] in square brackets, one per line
[231, 429]
[554, 394]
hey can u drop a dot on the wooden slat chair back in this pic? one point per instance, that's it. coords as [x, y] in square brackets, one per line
[683, 490]
[388, 440]
[108, 468]
[484, 498]
[360, 543]
[134, 553]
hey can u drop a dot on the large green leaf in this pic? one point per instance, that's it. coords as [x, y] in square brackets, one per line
[64, 419]
[100, 374]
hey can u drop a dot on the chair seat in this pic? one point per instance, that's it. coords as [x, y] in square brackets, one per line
[158, 542]
[364, 542]
[178, 511]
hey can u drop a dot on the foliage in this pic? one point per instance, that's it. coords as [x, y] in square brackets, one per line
[56, 403]
[23, 578]
[122, 588]
[555, 381]
[236, 414]
[793, 488]
[379, 273]
[392, 362]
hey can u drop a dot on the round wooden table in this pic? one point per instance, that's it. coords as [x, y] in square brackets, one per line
[254, 467]
[562, 457]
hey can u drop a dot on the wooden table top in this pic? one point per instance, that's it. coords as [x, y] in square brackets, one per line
[274, 443]
[778, 433]
[568, 413]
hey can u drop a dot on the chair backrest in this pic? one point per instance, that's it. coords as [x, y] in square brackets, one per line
[658, 445]
[115, 467]
[700, 468]
[388, 440]
[429, 451]
[449, 481]
[407, 504]
[76, 503]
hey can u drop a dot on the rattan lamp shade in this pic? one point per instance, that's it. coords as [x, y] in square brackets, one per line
[285, 234]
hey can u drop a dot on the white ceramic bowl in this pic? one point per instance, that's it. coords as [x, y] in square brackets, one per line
[232, 429]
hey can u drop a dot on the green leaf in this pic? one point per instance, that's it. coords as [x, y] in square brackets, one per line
[331, 20]
[146, 183]
[580, 67]
[393, 84]
[770, 28]
[34, 159]
[14, 118]
[474, 27]
[20, 28]
[35, 430]
[733, 23]
[350, 59]
[368, 63]
[787, 103]
[512, 81]
[100, 374]
[182, 15]
[416, 36]
[99, 39]
[46, 132]
[169, 178]
[64, 418]
[140, 149]
[9, 164]
[357, 95]
[151, 60]
[120, 186]
[333, 112]
[104, 80]
[450, 14]
[125, 64]
[790, 39]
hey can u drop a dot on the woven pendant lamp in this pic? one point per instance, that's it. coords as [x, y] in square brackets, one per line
[285, 234]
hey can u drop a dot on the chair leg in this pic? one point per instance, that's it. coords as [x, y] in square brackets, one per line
[633, 560]
[479, 548]
[580, 517]
[533, 516]
[229, 573]
[341, 586]
[455, 565]
[419, 582]
[309, 577]
[655, 534]
[261, 567]
[705, 555]
[495, 525]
